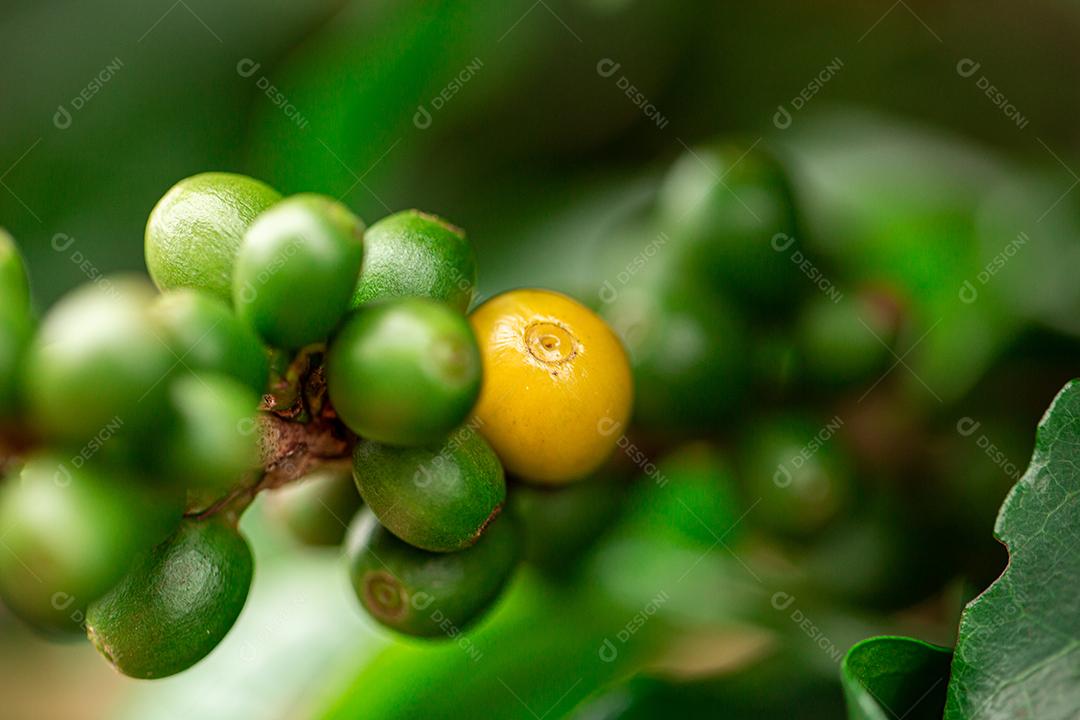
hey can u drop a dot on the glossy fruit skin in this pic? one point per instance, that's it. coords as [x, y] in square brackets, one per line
[557, 386]
[317, 509]
[16, 331]
[296, 269]
[731, 210]
[688, 349]
[439, 497]
[404, 372]
[213, 439]
[560, 524]
[70, 533]
[798, 470]
[427, 594]
[177, 602]
[412, 253]
[194, 231]
[14, 285]
[98, 359]
[208, 337]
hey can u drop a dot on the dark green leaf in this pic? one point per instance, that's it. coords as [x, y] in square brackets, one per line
[1018, 653]
[886, 678]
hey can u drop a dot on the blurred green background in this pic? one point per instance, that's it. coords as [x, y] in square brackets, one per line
[930, 149]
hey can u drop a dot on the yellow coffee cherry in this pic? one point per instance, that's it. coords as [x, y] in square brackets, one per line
[557, 389]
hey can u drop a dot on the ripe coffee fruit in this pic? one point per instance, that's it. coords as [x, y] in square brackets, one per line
[557, 387]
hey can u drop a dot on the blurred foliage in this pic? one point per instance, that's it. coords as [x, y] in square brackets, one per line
[907, 181]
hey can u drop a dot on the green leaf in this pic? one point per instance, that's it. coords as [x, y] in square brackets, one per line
[542, 651]
[1018, 653]
[895, 677]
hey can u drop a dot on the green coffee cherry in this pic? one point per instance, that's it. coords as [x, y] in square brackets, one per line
[412, 253]
[14, 285]
[16, 323]
[207, 337]
[560, 524]
[846, 341]
[98, 361]
[438, 497]
[798, 470]
[195, 230]
[296, 270]
[176, 603]
[688, 351]
[404, 372]
[213, 439]
[427, 594]
[317, 509]
[16, 330]
[730, 208]
[70, 531]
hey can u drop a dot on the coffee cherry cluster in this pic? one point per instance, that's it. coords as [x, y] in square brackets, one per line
[289, 348]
